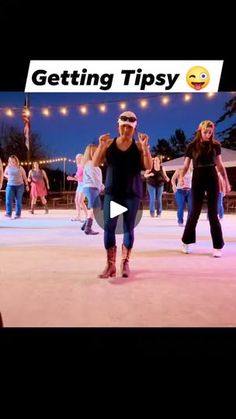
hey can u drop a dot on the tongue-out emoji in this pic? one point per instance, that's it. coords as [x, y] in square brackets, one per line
[197, 77]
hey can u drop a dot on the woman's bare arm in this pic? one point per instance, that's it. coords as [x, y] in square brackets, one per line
[99, 155]
[165, 175]
[174, 179]
[1, 174]
[221, 168]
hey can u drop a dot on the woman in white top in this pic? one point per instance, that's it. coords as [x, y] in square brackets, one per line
[79, 195]
[92, 186]
[16, 177]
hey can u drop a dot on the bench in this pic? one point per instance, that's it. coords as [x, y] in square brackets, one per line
[65, 198]
[60, 200]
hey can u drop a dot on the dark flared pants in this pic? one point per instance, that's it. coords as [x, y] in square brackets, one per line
[204, 184]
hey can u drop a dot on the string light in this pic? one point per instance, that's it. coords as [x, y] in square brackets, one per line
[102, 107]
[46, 161]
[143, 103]
[187, 97]
[210, 95]
[165, 100]
[9, 112]
[45, 112]
[83, 109]
[123, 106]
[63, 110]
[27, 112]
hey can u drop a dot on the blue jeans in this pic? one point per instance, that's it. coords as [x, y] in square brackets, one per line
[220, 206]
[155, 198]
[14, 192]
[183, 197]
[128, 221]
[93, 197]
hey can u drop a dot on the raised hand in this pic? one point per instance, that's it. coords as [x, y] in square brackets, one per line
[143, 139]
[104, 138]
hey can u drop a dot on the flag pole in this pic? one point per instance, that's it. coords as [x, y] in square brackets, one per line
[64, 174]
[27, 103]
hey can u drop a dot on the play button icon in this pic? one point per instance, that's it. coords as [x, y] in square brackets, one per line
[116, 209]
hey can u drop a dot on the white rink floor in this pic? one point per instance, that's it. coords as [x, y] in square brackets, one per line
[49, 268]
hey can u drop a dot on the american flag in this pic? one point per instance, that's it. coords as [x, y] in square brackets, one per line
[26, 120]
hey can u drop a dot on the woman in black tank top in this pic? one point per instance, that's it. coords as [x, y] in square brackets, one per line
[155, 186]
[125, 158]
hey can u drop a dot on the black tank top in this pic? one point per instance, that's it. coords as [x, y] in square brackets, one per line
[157, 179]
[123, 176]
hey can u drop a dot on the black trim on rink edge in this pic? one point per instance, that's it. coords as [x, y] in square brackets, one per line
[13, 74]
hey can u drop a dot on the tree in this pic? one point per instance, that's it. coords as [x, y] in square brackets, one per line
[230, 110]
[163, 148]
[172, 148]
[228, 136]
[178, 142]
[12, 142]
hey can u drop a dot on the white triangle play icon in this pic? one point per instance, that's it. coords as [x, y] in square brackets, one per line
[116, 209]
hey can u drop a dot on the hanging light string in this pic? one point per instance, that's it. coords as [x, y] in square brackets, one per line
[46, 161]
[83, 108]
